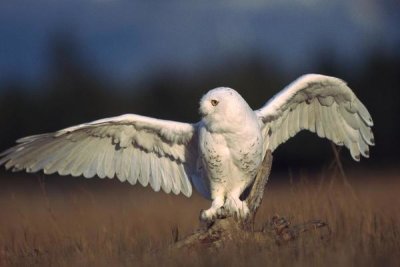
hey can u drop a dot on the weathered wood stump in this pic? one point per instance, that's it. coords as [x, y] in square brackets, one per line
[230, 229]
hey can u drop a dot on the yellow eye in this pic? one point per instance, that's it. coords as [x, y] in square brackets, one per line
[214, 102]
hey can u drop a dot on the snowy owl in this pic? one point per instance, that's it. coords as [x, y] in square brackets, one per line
[219, 155]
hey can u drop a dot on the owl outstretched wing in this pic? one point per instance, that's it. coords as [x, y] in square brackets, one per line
[132, 148]
[321, 104]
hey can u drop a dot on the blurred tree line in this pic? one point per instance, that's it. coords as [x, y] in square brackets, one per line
[76, 93]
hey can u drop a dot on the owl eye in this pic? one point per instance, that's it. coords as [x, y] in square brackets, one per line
[214, 102]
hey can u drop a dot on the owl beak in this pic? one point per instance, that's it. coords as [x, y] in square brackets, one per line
[202, 111]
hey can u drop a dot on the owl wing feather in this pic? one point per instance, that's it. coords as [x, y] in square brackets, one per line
[321, 104]
[132, 148]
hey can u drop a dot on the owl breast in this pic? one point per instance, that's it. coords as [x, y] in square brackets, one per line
[215, 156]
[249, 156]
[229, 164]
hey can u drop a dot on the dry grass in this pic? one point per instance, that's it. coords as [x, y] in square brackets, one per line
[84, 223]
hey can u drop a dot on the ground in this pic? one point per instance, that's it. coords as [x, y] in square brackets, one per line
[65, 221]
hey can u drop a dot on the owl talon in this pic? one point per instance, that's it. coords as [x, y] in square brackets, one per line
[237, 208]
[208, 216]
[222, 213]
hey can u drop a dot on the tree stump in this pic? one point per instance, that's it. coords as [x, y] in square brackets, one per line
[224, 230]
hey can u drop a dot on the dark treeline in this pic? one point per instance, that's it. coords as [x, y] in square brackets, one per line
[76, 93]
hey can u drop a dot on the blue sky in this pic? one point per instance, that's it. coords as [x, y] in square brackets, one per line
[126, 39]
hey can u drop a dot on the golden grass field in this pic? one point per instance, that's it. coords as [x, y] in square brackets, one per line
[106, 223]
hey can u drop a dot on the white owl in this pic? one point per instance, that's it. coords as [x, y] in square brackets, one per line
[219, 155]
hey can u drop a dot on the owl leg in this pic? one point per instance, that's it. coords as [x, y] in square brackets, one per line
[235, 206]
[210, 214]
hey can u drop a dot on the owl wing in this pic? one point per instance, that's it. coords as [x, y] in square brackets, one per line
[323, 105]
[132, 148]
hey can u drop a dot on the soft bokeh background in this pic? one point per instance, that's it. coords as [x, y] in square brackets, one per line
[67, 62]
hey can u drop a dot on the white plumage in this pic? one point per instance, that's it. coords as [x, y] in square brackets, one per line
[321, 104]
[220, 155]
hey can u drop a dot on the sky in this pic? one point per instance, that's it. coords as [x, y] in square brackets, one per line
[127, 40]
